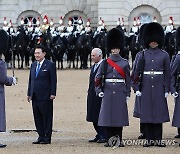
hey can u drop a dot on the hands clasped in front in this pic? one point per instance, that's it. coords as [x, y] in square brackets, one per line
[14, 80]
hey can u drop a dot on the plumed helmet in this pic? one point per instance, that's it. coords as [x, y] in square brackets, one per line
[4, 41]
[153, 32]
[115, 39]
[178, 38]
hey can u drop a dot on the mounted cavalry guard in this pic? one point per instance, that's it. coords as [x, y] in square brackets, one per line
[175, 84]
[30, 27]
[152, 84]
[70, 28]
[155, 19]
[22, 24]
[5, 26]
[112, 83]
[11, 29]
[138, 23]
[170, 27]
[79, 27]
[45, 24]
[120, 23]
[100, 28]
[61, 28]
[37, 29]
[52, 28]
[135, 29]
[88, 29]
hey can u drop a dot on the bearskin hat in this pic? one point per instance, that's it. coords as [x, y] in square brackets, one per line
[3, 41]
[141, 34]
[153, 32]
[115, 39]
[178, 38]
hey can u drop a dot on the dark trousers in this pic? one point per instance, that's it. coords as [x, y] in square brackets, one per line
[178, 129]
[113, 131]
[43, 118]
[100, 131]
[153, 131]
[142, 128]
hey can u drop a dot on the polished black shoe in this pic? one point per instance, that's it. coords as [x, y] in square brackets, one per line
[45, 142]
[2, 145]
[38, 141]
[177, 136]
[102, 140]
[148, 144]
[142, 136]
[161, 145]
[121, 145]
[106, 144]
[94, 140]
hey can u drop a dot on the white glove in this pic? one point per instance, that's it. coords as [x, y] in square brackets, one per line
[127, 98]
[166, 94]
[101, 94]
[175, 94]
[14, 81]
[138, 93]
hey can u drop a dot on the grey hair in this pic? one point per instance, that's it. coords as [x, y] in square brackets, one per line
[98, 51]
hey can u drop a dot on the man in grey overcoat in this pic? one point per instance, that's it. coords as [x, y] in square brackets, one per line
[114, 88]
[4, 80]
[155, 84]
[93, 101]
[175, 84]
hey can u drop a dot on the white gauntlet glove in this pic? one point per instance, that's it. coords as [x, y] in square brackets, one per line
[14, 81]
[101, 94]
[127, 98]
[138, 93]
[175, 94]
[166, 94]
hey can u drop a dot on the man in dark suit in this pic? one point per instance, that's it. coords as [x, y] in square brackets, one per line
[42, 92]
[93, 101]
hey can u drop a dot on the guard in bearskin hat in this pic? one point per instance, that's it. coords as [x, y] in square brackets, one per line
[136, 112]
[151, 84]
[175, 84]
[4, 80]
[112, 83]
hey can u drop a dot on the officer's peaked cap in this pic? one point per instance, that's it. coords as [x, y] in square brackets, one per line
[3, 41]
[115, 39]
[153, 32]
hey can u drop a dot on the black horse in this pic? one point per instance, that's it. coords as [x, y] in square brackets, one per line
[60, 48]
[71, 50]
[134, 46]
[84, 47]
[99, 42]
[47, 41]
[125, 52]
[169, 44]
[21, 47]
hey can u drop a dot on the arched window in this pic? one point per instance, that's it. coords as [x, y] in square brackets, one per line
[75, 20]
[27, 16]
[145, 18]
[30, 18]
[75, 15]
